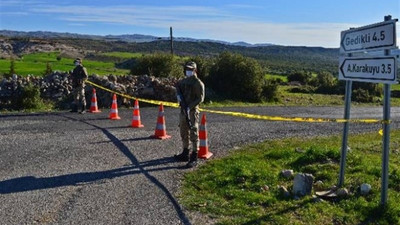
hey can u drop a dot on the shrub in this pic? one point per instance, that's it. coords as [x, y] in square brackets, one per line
[361, 95]
[372, 88]
[48, 70]
[326, 83]
[12, 69]
[302, 77]
[270, 91]
[203, 67]
[158, 65]
[237, 77]
[29, 99]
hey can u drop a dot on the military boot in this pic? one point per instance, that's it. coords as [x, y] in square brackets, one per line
[83, 109]
[193, 160]
[184, 156]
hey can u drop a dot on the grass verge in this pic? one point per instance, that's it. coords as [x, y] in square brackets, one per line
[232, 190]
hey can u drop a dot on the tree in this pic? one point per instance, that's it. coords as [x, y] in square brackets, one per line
[48, 70]
[237, 77]
[301, 77]
[158, 65]
[203, 67]
[325, 83]
[12, 69]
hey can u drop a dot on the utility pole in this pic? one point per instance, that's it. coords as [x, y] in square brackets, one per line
[172, 40]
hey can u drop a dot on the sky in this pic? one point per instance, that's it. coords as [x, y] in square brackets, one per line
[281, 22]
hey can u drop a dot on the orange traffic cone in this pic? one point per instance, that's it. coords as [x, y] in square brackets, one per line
[203, 151]
[136, 116]
[114, 109]
[160, 132]
[93, 105]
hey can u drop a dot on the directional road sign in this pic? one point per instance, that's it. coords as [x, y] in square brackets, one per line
[372, 69]
[372, 37]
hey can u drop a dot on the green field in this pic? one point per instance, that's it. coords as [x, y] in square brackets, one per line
[35, 64]
[274, 76]
[123, 55]
[232, 190]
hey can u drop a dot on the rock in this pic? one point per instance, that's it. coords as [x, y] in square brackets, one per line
[265, 188]
[365, 189]
[342, 192]
[302, 184]
[317, 199]
[283, 191]
[287, 173]
[318, 185]
[58, 87]
[299, 150]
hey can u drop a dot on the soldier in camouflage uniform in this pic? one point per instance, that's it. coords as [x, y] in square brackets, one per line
[79, 76]
[190, 93]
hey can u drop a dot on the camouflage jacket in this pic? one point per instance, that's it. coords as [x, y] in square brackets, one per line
[191, 90]
[79, 75]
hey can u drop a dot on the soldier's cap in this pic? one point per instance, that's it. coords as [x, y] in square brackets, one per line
[191, 65]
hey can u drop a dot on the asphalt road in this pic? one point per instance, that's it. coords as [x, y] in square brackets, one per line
[67, 168]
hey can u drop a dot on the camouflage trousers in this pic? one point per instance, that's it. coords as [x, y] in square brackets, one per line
[79, 95]
[187, 133]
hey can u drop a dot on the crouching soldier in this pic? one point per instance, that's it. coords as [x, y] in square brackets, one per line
[79, 76]
[190, 93]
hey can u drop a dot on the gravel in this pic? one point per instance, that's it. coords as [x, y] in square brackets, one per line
[67, 168]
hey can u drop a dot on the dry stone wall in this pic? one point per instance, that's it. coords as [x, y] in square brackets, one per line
[57, 87]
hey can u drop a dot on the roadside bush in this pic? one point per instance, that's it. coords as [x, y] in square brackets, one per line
[372, 88]
[361, 95]
[325, 83]
[29, 99]
[270, 91]
[158, 65]
[237, 77]
[203, 67]
[302, 77]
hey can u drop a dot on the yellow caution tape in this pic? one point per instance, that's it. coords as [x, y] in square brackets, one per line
[247, 115]
[290, 119]
[155, 102]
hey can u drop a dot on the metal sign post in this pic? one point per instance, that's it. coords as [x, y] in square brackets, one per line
[343, 154]
[378, 69]
[386, 141]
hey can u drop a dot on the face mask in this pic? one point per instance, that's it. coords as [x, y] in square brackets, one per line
[189, 73]
[76, 63]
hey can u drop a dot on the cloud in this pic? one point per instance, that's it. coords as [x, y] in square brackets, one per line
[6, 3]
[14, 13]
[325, 34]
[202, 22]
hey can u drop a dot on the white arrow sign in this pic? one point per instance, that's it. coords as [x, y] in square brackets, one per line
[375, 69]
[372, 37]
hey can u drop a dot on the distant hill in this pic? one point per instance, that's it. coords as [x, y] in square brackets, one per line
[275, 58]
[137, 38]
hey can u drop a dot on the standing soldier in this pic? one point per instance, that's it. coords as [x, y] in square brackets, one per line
[190, 93]
[79, 76]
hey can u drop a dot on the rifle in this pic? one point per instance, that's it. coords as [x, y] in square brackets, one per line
[183, 105]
